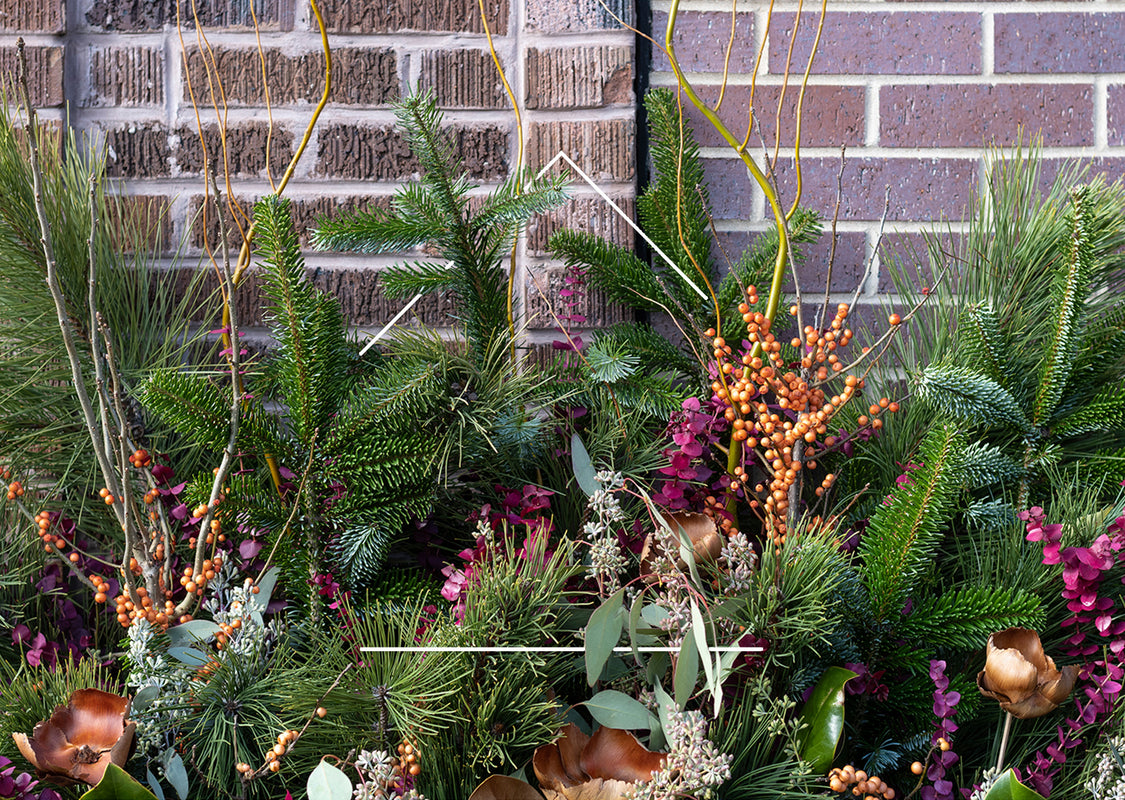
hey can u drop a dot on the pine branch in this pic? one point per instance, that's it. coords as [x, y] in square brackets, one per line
[903, 536]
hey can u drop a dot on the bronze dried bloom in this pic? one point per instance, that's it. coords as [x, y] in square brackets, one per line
[1021, 677]
[81, 738]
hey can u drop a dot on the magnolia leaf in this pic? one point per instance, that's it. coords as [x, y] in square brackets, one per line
[143, 698]
[117, 784]
[1007, 787]
[327, 782]
[602, 632]
[501, 787]
[616, 709]
[189, 655]
[822, 720]
[583, 468]
[259, 601]
[196, 630]
[176, 774]
[687, 669]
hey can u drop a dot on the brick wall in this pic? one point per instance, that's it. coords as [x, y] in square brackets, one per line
[916, 91]
[128, 71]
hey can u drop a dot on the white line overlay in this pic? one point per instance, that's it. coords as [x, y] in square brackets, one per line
[551, 649]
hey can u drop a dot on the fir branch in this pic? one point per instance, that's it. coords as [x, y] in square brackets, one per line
[613, 269]
[970, 397]
[965, 617]
[984, 344]
[1069, 291]
[903, 535]
[1103, 413]
[377, 231]
[421, 277]
[985, 464]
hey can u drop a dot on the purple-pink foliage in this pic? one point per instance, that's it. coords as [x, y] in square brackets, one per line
[692, 429]
[945, 707]
[21, 786]
[1092, 614]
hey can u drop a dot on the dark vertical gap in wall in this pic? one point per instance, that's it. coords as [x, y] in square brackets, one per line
[643, 60]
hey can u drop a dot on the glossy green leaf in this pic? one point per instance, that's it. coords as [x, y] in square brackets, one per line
[583, 468]
[327, 782]
[602, 633]
[1007, 787]
[822, 720]
[117, 784]
[687, 669]
[616, 709]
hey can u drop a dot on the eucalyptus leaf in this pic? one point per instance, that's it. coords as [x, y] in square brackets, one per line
[187, 633]
[656, 667]
[687, 669]
[154, 784]
[822, 720]
[699, 629]
[177, 775]
[1007, 787]
[189, 655]
[144, 697]
[635, 639]
[327, 782]
[117, 784]
[602, 633]
[259, 601]
[616, 709]
[583, 468]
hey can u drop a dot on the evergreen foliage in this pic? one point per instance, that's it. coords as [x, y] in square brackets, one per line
[436, 211]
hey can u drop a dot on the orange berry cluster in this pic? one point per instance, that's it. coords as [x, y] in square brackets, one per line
[140, 459]
[408, 759]
[128, 611]
[856, 782]
[52, 543]
[15, 489]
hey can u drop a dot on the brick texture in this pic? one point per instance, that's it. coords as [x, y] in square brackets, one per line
[604, 149]
[701, 40]
[44, 74]
[579, 77]
[363, 76]
[138, 151]
[32, 16]
[245, 154]
[587, 214]
[393, 16]
[126, 76]
[960, 115]
[153, 15]
[880, 43]
[573, 16]
[365, 153]
[463, 79]
[1060, 42]
[1115, 115]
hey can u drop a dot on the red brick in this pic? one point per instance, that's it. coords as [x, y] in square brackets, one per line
[920, 188]
[969, 115]
[605, 149]
[126, 76]
[392, 16]
[812, 262]
[245, 150]
[153, 15]
[44, 74]
[463, 79]
[572, 16]
[361, 76]
[32, 16]
[1055, 41]
[579, 77]
[379, 153]
[701, 40]
[895, 43]
[731, 188]
[137, 151]
[587, 214]
[543, 299]
[1116, 114]
[832, 115]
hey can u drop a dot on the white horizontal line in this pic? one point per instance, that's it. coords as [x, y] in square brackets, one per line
[549, 649]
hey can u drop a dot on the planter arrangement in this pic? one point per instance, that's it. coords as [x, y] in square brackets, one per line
[770, 556]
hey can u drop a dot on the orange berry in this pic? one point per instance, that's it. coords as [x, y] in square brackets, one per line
[895, 319]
